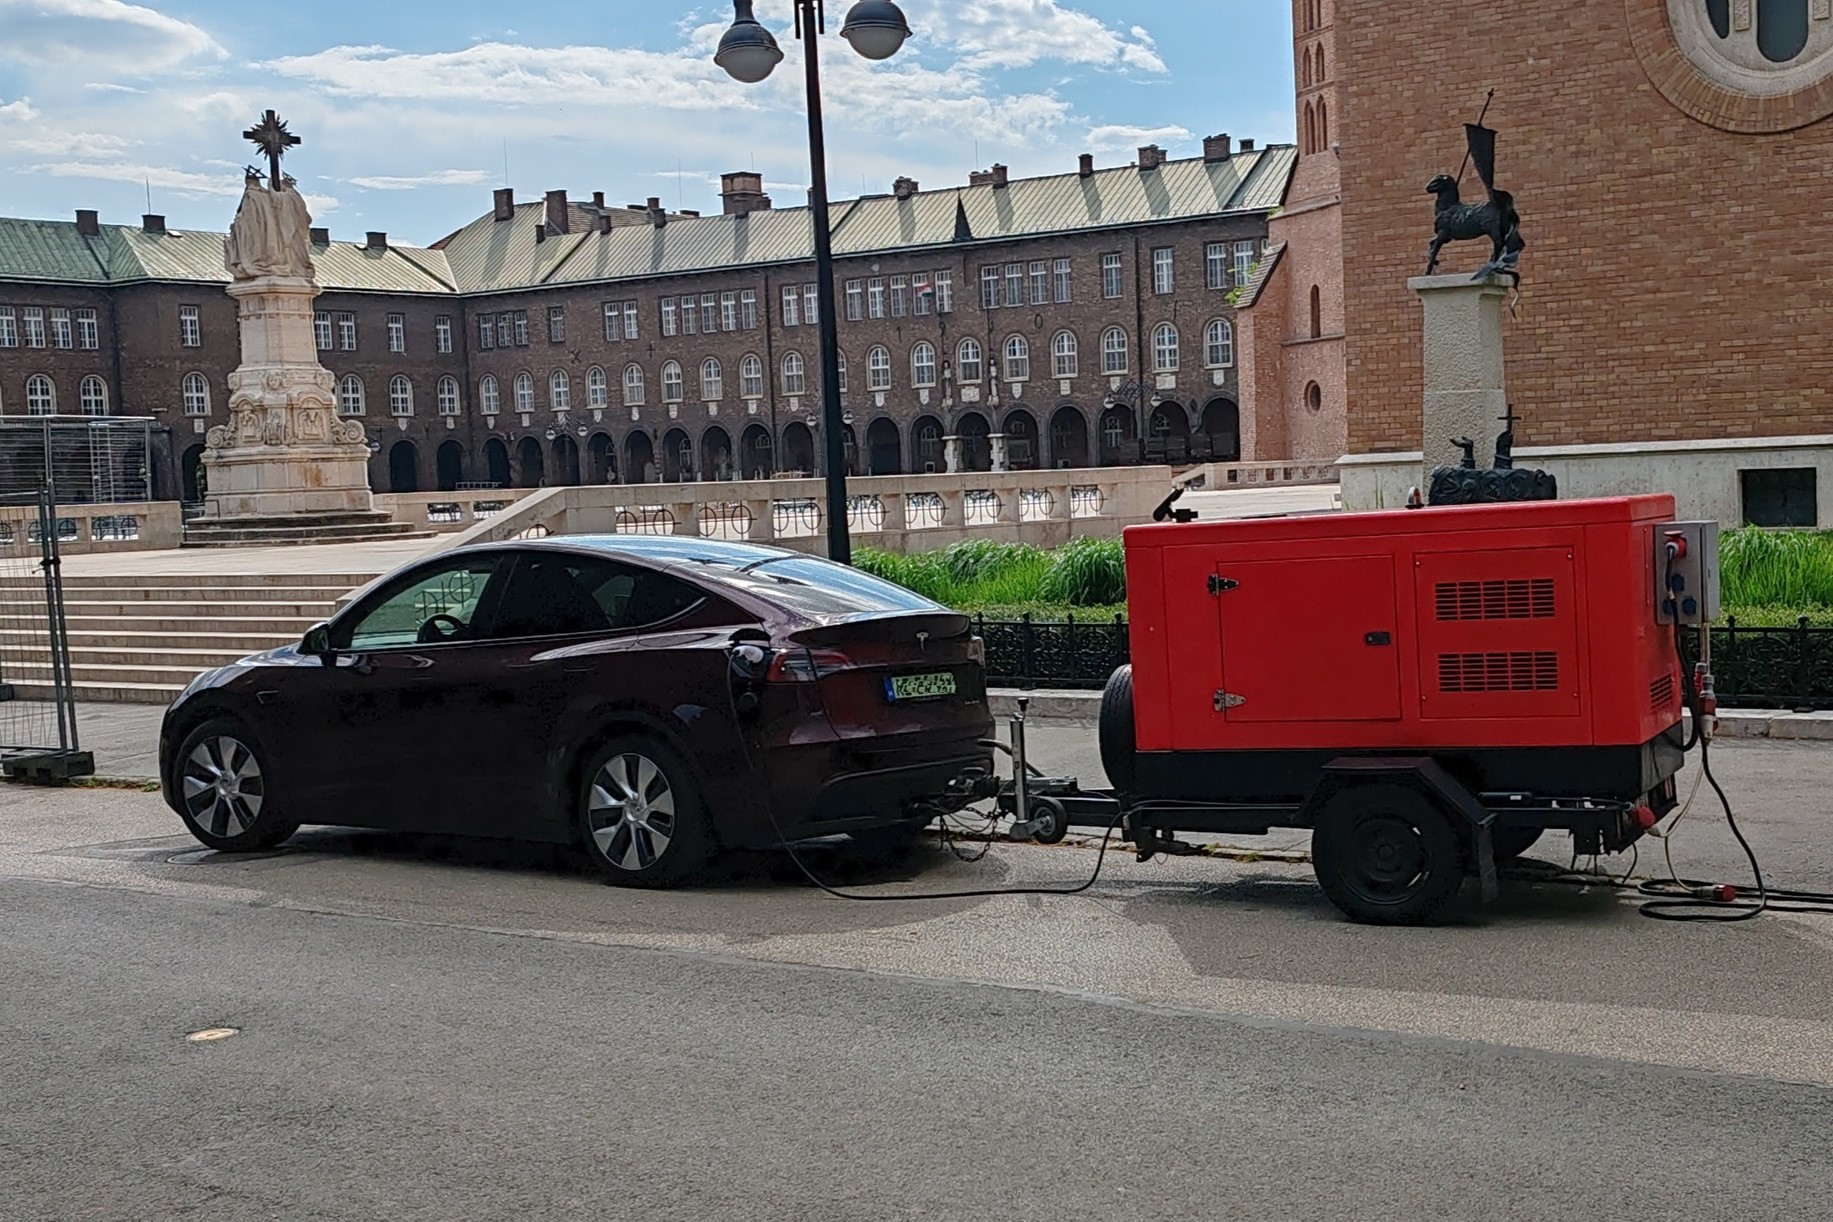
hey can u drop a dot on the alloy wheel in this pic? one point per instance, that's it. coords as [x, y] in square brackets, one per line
[223, 789]
[632, 813]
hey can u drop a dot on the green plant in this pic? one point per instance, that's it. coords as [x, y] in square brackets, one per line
[1088, 572]
[1777, 568]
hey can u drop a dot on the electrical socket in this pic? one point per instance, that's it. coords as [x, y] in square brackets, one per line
[1694, 600]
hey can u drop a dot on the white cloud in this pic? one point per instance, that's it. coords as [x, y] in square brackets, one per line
[188, 183]
[60, 143]
[99, 33]
[438, 178]
[20, 110]
[1019, 33]
[110, 87]
[1112, 136]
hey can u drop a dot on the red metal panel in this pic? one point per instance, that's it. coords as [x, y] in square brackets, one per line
[1498, 633]
[1309, 640]
[1147, 641]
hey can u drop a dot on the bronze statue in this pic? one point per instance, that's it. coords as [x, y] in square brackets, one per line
[1497, 220]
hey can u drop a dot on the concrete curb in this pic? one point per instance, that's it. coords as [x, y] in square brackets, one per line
[1084, 707]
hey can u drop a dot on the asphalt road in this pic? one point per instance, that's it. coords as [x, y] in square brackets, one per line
[438, 1028]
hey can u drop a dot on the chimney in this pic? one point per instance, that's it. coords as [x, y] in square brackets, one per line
[320, 237]
[604, 222]
[1151, 157]
[657, 216]
[980, 178]
[540, 232]
[999, 175]
[904, 188]
[152, 222]
[377, 240]
[1085, 166]
[88, 222]
[742, 193]
[598, 199]
[1217, 148]
[505, 203]
[557, 219]
[1247, 146]
[687, 212]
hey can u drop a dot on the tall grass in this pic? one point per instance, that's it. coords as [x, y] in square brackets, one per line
[1776, 568]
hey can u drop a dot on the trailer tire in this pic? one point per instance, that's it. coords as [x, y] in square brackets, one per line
[1119, 746]
[1386, 855]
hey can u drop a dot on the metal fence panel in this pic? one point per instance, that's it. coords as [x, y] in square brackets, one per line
[1072, 653]
[86, 460]
[38, 732]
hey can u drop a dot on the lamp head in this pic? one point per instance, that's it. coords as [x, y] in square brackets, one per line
[747, 51]
[876, 28]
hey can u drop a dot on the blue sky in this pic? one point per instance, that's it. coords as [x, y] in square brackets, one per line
[410, 108]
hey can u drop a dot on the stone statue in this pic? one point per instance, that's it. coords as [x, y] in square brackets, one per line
[271, 234]
[1497, 220]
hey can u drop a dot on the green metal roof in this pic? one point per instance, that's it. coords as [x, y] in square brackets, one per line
[491, 256]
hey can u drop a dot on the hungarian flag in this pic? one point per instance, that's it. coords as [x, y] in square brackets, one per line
[925, 293]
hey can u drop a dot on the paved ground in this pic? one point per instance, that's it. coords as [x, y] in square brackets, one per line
[440, 1028]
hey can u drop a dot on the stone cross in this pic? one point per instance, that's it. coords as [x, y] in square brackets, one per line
[271, 137]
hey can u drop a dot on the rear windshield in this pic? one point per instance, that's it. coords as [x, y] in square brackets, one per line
[822, 588]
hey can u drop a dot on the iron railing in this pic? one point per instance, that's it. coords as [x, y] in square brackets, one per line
[1784, 667]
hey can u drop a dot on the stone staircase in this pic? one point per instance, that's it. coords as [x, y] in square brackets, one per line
[140, 639]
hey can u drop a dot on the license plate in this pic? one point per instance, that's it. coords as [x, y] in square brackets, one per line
[919, 687]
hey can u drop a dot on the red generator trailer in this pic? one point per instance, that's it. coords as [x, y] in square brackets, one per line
[1428, 690]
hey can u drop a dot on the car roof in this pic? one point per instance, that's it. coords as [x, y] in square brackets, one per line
[666, 549]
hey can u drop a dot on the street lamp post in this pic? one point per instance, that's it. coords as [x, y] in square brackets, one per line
[1132, 393]
[749, 53]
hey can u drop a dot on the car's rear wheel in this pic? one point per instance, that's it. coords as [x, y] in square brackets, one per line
[224, 789]
[641, 817]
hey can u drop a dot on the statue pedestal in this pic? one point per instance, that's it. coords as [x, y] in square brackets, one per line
[285, 468]
[1465, 395]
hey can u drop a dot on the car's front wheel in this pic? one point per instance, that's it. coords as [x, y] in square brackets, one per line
[641, 817]
[224, 789]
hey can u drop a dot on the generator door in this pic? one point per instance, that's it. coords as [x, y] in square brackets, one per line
[1309, 640]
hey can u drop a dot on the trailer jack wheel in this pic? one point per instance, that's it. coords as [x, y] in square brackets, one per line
[1049, 820]
[1385, 855]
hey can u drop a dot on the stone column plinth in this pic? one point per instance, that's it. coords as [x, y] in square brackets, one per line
[1465, 393]
[285, 453]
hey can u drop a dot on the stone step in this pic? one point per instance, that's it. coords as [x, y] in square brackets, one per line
[313, 592]
[190, 657]
[104, 693]
[247, 582]
[310, 612]
[290, 627]
[161, 641]
[108, 674]
[230, 537]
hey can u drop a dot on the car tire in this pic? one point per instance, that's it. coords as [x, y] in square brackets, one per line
[222, 784]
[1116, 733]
[640, 815]
[1385, 855]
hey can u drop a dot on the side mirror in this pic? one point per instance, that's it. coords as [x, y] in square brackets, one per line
[317, 641]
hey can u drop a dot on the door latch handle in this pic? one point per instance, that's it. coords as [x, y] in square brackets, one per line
[1377, 638]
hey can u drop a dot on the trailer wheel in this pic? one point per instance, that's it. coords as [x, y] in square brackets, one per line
[1055, 820]
[1386, 855]
[1119, 746]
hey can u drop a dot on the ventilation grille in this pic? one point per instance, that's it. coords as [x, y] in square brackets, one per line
[1661, 694]
[1498, 672]
[1510, 598]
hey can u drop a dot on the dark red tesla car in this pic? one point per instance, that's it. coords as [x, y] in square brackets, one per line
[654, 699]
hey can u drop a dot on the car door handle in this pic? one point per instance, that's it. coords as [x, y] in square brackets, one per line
[1378, 638]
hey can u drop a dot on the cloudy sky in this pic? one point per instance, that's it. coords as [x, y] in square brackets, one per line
[410, 109]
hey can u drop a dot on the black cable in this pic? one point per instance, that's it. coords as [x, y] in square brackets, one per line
[1695, 907]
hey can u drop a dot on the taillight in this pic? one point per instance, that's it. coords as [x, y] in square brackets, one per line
[806, 665]
[977, 651]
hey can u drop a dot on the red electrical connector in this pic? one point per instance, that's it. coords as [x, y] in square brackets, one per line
[1646, 818]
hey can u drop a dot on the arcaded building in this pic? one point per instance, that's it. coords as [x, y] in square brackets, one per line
[1079, 319]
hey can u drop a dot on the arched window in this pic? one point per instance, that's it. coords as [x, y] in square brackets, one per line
[1323, 126]
[1319, 74]
[489, 395]
[750, 378]
[634, 390]
[400, 396]
[1113, 350]
[1164, 348]
[1219, 344]
[968, 368]
[1018, 359]
[1310, 129]
[559, 391]
[878, 368]
[1304, 68]
[1317, 313]
[1064, 362]
[92, 394]
[196, 392]
[597, 391]
[40, 396]
[352, 401]
[712, 380]
[795, 375]
[671, 383]
[923, 364]
[448, 396]
[525, 392]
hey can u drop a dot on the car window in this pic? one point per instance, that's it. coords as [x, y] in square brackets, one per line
[429, 608]
[556, 594]
[821, 587]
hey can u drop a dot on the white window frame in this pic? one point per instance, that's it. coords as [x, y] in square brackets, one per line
[811, 305]
[1219, 344]
[712, 380]
[489, 395]
[598, 390]
[1113, 277]
[795, 374]
[875, 297]
[194, 394]
[855, 300]
[442, 333]
[560, 391]
[1017, 354]
[632, 320]
[92, 396]
[747, 309]
[356, 404]
[486, 332]
[750, 377]
[1060, 278]
[1165, 348]
[1114, 351]
[792, 305]
[190, 327]
[970, 362]
[728, 311]
[1064, 361]
[1215, 265]
[673, 387]
[709, 313]
[900, 296]
[989, 286]
[922, 298]
[1245, 258]
[923, 364]
[400, 395]
[88, 330]
[346, 332]
[668, 316]
[397, 333]
[524, 387]
[449, 404]
[34, 319]
[1040, 282]
[636, 387]
[1015, 285]
[62, 334]
[9, 328]
[40, 395]
[690, 315]
[556, 324]
[1164, 271]
[878, 368]
[945, 292]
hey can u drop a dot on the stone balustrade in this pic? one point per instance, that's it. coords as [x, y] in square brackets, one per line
[1222, 476]
[124, 526]
[893, 512]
